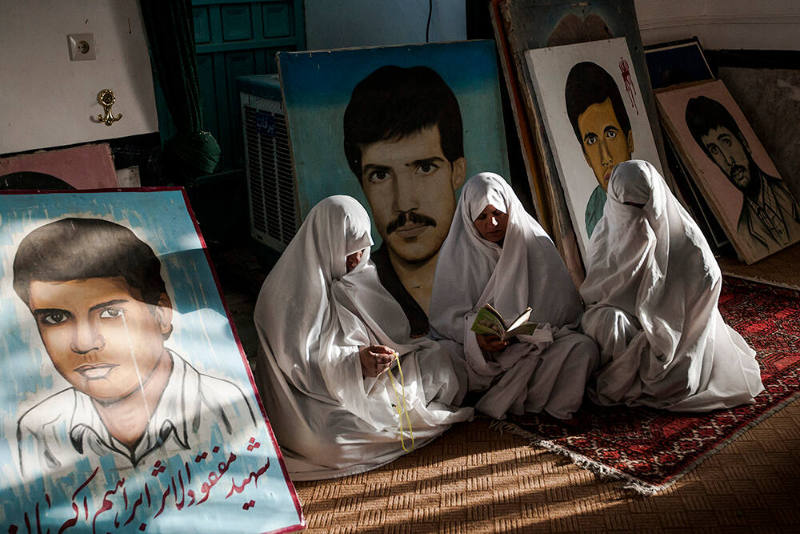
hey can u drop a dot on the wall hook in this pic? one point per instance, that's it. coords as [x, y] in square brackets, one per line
[106, 99]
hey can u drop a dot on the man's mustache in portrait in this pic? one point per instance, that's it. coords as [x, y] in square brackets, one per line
[737, 170]
[409, 216]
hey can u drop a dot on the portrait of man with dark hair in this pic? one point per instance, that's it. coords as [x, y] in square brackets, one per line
[103, 313]
[595, 117]
[770, 215]
[598, 117]
[403, 139]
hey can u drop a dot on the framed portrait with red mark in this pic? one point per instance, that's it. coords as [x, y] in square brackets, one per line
[595, 117]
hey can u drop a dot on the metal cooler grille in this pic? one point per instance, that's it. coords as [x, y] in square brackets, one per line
[269, 172]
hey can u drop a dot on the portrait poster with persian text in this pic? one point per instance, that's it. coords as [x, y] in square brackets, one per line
[128, 404]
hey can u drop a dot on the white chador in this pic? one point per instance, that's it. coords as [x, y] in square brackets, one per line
[651, 291]
[546, 371]
[312, 317]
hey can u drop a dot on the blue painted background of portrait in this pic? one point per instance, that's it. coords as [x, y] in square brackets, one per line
[202, 335]
[317, 87]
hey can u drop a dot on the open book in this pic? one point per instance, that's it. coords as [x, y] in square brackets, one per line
[490, 322]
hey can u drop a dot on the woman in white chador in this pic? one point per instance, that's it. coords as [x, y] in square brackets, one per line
[328, 333]
[651, 291]
[497, 254]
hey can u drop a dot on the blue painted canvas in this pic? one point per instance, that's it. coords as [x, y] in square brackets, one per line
[317, 87]
[128, 403]
[400, 129]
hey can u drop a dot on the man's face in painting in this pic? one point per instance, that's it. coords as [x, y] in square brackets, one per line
[99, 334]
[410, 186]
[604, 142]
[731, 155]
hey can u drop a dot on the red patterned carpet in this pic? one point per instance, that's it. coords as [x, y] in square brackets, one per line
[651, 449]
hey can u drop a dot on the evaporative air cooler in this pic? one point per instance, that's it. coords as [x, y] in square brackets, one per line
[268, 162]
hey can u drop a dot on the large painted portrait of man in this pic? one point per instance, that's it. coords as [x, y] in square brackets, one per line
[108, 396]
[760, 214]
[405, 146]
[399, 128]
[598, 117]
[595, 118]
[522, 25]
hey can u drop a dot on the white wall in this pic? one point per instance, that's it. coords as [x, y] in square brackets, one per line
[347, 23]
[722, 24]
[46, 99]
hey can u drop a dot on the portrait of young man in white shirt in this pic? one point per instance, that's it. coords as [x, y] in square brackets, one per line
[103, 313]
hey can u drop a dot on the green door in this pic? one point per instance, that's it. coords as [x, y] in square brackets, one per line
[233, 39]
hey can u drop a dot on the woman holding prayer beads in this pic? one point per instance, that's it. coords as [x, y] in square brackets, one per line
[345, 387]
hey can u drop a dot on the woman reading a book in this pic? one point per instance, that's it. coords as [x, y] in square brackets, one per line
[651, 289]
[345, 387]
[498, 255]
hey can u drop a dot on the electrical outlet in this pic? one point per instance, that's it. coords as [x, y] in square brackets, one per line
[81, 46]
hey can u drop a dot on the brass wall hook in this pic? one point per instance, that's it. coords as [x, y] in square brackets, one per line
[106, 99]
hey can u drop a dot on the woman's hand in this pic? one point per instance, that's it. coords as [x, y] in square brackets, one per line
[490, 342]
[375, 359]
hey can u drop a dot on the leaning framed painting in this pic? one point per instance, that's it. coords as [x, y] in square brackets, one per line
[756, 208]
[522, 25]
[676, 62]
[89, 166]
[128, 405]
[595, 117]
